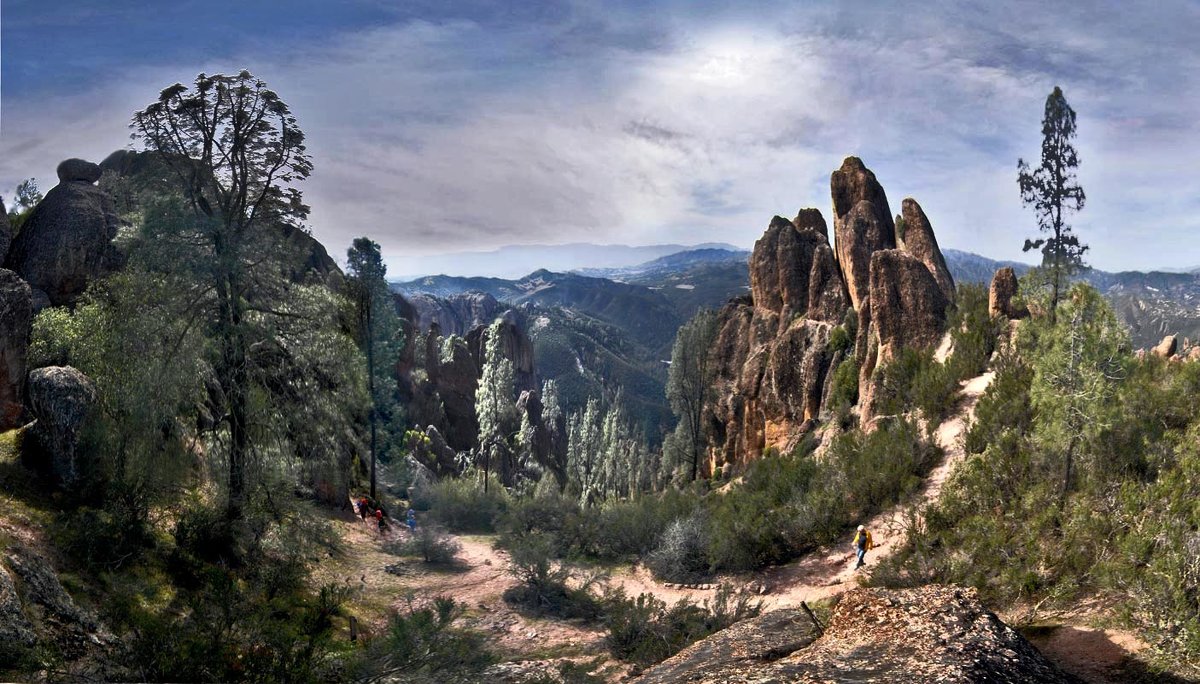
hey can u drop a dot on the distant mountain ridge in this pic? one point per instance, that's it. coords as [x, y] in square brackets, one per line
[515, 261]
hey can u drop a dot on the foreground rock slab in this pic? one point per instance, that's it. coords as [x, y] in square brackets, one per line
[929, 634]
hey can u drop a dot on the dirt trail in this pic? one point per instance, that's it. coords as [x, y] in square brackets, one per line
[819, 575]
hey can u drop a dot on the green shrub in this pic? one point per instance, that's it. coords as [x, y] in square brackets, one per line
[430, 543]
[422, 644]
[461, 505]
[545, 583]
[881, 468]
[644, 630]
[844, 392]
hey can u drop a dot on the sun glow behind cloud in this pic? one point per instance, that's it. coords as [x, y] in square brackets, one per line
[450, 129]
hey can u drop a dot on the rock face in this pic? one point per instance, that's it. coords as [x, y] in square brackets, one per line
[5, 233]
[771, 353]
[66, 242]
[930, 634]
[918, 240]
[1001, 293]
[16, 314]
[515, 346]
[35, 607]
[772, 356]
[862, 224]
[457, 314]
[1168, 347]
[60, 398]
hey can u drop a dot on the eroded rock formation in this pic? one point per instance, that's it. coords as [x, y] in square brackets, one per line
[1001, 293]
[933, 633]
[66, 242]
[773, 354]
[16, 314]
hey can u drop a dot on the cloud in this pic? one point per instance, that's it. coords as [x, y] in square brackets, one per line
[471, 129]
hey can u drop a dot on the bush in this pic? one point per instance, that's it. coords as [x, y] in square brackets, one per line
[545, 583]
[430, 543]
[645, 631]
[422, 644]
[461, 505]
[682, 551]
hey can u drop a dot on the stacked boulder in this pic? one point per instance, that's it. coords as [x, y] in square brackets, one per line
[773, 355]
[66, 241]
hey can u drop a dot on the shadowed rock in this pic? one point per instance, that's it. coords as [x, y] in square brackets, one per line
[78, 170]
[5, 233]
[16, 312]
[60, 398]
[66, 241]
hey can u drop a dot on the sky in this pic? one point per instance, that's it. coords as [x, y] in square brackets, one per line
[443, 126]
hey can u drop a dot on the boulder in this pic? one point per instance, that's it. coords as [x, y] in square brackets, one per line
[60, 398]
[16, 312]
[1167, 348]
[66, 241]
[933, 633]
[5, 233]
[918, 240]
[1001, 293]
[862, 224]
[71, 170]
[436, 455]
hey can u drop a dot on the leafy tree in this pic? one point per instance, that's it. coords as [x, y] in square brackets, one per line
[1052, 190]
[25, 198]
[235, 149]
[379, 328]
[1080, 361]
[689, 384]
[494, 400]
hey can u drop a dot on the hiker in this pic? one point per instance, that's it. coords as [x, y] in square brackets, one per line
[379, 517]
[410, 519]
[862, 544]
[363, 508]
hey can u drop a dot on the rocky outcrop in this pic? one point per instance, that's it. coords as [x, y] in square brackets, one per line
[773, 358]
[1001, 293]
[66, 241]
[433, 453]
[772, 350]
[917, 239]
[515, 346]
[16, 313]
[34, 607]
[457, 314]
[78, 170]
[60, 398]
[5, 233]
[862, 224]
[456, 381]
[530, 408]
[1167, 348]
[907, 310]
[930, 634]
